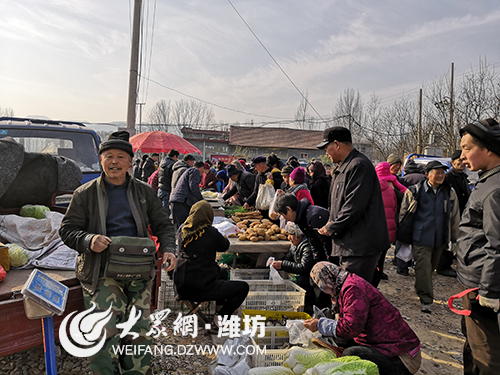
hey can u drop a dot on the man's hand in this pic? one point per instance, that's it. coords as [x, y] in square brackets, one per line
[489, 302]
[279, 192]
[276, 264]
[99, 243]
[246, 205]
[311, 324]
[171, 260]
[323, 231]
[274, 216]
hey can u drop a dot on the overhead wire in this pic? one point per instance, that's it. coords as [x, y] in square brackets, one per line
[272, 57]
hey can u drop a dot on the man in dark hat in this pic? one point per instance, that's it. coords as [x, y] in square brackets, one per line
[130, 206]
[357, 222]
[478, 253]
[458, 179]
[436, 219]
[264, 173]
[165, 173]
[243, 183]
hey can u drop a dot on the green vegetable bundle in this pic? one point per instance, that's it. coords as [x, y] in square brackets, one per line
[18, 256]
[36, 211]
[300, 360]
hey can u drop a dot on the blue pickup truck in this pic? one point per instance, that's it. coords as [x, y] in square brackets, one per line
[72, 140]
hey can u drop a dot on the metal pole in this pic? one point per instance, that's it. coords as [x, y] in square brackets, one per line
[452, 132]
[49, 346]
[140, 116]
[419, 131]
[134, 66]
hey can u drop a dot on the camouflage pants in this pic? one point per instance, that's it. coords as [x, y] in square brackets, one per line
[123, 294]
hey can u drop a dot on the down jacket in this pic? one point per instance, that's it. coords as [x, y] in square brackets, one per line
[299, 259]
[478, 253]
[370, 319]
[82, 222]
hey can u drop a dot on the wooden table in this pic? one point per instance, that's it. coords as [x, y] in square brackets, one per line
[242, 247]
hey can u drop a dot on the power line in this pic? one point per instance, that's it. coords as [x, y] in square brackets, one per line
[210, 103]
[272, 57]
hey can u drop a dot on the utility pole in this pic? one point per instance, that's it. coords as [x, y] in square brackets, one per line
[140, 116]
[134, 67]
[419, 129]
[451, 130]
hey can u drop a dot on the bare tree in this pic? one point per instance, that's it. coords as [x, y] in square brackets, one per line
[6, 112]
[192, 113]
[302, 117]
[349, 111]
[160, 116]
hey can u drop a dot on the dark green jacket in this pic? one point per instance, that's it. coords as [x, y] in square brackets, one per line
[81, 223]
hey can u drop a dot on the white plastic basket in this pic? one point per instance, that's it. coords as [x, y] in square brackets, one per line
[254, 274]
[271, 357]
[264, 295]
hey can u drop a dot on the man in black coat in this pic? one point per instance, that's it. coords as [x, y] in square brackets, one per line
[243, 183]
[265, 172]
[165, 179]
[458, 180]
[357, 224]
[149, 167]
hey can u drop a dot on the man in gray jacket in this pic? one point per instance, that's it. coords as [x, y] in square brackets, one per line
[180, 167]
[478, 253]
[357, 221]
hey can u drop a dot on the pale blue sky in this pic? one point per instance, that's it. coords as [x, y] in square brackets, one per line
[70, 59]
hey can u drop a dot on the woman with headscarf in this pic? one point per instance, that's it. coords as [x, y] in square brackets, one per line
[319, 184]
[203, 279]
[366, 316]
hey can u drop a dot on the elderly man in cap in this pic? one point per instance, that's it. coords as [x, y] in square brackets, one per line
[264, 173]
[243, 183]
[478, 252]
[435, 223]
[357, 222]
[116, 204]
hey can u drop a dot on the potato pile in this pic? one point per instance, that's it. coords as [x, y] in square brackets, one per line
[259, 230]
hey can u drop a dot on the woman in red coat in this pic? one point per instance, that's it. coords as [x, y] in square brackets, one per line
[298, 186]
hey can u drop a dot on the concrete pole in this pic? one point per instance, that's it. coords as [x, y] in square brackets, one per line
[134, 67]
[452, 130]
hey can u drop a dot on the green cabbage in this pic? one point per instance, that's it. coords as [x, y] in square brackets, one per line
[36, 211]
[300, 360]
[323, 368]
[18, 256]
[271, 370]
[360, 367]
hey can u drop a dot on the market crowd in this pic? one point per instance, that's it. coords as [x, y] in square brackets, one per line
[341, 218]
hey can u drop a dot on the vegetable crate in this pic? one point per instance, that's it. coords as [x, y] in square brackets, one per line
[272, 357]
[264, 295]
[275, 336]
[166, 298]
[255, 274]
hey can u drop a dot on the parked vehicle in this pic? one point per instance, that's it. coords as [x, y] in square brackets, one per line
[64, 138]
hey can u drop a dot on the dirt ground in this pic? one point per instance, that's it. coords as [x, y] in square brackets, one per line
[439, 332]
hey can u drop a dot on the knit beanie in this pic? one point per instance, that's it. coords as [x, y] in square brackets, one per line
[287, 169]
[117, 140]
[393, 159]
[298, 175]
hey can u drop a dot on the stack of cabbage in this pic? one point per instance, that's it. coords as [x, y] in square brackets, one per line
[36, 211]
[300, 361]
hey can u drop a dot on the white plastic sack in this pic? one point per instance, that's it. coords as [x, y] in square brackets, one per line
[298, 334]
[226, 228]
[405, 252]
[273, 272]
[264, 197]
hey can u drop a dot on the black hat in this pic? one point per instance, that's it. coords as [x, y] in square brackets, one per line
[487, 132]
[231, 170]
[456, 154]
[117, 140]
[258, 159]
[273, 159]
[434, 164]
[337, 133]
[287, 169]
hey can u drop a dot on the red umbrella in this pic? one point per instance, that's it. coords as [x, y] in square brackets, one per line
[160, 141]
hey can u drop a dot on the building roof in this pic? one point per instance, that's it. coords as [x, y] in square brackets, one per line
[274, 137]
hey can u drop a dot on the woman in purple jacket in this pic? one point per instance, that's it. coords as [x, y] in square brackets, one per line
[365, 315]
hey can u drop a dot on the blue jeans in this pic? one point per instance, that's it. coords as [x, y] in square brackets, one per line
[164, 196]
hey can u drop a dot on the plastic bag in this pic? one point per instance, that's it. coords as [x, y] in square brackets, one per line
[264, 197]
[271, 207]
[226, 228]
[298, 334]
[273, 272]
[405, 252]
